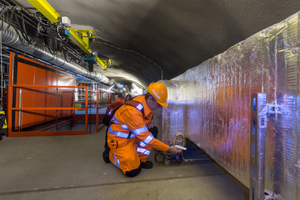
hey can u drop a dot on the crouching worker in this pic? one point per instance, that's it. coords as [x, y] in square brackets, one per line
[131, 134]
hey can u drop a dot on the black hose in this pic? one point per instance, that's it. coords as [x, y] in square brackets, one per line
[160, 160]
[19, 27]
[11, 17]
[50, 50]
[1, 15]
[24, 29]
[66, 55]
[77, 61]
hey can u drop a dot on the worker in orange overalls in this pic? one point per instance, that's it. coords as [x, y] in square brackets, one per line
[132, 135]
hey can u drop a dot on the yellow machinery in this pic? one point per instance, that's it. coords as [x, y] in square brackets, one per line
[4, 123]
[78, 36]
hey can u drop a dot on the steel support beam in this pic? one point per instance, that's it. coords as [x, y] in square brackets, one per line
[79, 42]
[257, 138]
[46, 9]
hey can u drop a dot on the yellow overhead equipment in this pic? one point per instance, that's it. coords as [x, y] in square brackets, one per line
[79, 37]
[46, 9]
[103, 62]
[79, 42]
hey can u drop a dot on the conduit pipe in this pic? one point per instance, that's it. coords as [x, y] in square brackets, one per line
[11, 38]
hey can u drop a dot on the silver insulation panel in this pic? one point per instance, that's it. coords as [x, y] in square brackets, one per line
[210, 104]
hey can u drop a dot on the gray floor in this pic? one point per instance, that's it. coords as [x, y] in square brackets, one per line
[71, 167]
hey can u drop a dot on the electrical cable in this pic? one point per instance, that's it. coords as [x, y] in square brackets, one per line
[50, 50]
[65, 52]
[57, 30]
[30, 40]
[41, 20]
[10, 20]
[11, 17]
[131, 51]
[74, 53]
[77, 61]
[14, 15]
[3, 12]
[18, 33]
[162, 158]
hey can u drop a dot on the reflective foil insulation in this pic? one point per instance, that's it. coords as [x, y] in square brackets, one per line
[210, 104]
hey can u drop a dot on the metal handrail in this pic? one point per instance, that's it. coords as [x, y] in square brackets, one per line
[11, 109]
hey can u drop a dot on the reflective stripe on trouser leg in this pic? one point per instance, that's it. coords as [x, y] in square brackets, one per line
[117, 161]
[125, 157]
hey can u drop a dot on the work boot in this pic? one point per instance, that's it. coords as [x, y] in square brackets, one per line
[105, 155]
[146, 165]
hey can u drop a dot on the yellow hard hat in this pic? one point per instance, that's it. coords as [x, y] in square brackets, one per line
[159, 92]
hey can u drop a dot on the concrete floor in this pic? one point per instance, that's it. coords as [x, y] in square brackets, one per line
[71, 167]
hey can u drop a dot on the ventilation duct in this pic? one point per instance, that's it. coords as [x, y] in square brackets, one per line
[211, 105]
[11, 38]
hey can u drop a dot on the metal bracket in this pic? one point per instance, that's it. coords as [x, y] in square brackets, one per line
[271, 109]
[274, 109]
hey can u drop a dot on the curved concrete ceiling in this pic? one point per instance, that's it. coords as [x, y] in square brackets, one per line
[176, 35]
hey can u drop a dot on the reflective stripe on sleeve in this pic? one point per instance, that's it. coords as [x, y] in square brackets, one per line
[139, 130]
[116, 122]
[143, 151]
[115, 119]
[120, 134]
[148, 139]
[142, 144]
[124, 126]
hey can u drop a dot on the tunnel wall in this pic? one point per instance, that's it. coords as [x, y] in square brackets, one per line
[210, 104]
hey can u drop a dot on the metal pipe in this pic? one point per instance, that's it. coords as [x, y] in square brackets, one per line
[258, 125]
[11, 38]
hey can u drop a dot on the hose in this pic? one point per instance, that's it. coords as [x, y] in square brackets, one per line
[182, 140]
[165, 156]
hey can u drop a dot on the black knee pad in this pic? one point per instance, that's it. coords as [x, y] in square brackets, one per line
[134, 172]
[154, 131]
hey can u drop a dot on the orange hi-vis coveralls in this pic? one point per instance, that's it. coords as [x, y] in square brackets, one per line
[125, 153]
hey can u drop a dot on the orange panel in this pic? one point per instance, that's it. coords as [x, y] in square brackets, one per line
[29, 72]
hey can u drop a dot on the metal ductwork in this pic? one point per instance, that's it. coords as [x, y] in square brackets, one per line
[11, 38]
[118, 85]
[211, 105]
